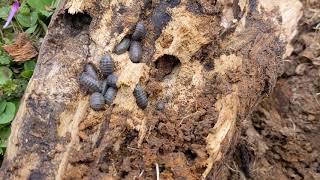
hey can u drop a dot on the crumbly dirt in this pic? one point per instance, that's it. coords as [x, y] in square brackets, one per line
[281, 138]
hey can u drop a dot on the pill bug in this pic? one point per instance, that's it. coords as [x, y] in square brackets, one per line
[140, 32]
[141, 97]
[91, 70]
[123, 46]
[104, 86]
[135, 52]
[97, 101]
[110, 95]
[106, 65]
[89, 82]
[112, 80]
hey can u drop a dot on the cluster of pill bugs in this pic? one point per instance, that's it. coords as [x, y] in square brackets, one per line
[104, 91]
[133, 44]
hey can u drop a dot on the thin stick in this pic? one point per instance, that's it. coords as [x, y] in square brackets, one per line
[141, 173]
[157, 171]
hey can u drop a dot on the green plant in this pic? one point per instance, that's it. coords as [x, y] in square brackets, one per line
[32, 18]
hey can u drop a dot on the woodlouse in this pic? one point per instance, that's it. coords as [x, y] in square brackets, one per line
[97, 101]
[106, 65]
[135, 52]
[110, 95]
[141, 97]
[112, 80]
[104, 86]
[89, 82]
[123, 46]
[91, 70]
[140, 32]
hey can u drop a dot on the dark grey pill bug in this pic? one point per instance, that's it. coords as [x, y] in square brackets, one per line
[110, 95]
[106, 65]
[139, 32]
[112, 80]
[90, 83]
[97, 101]
[141, 97]
[135, 52]
[91, 70]
[104, 86]
[123, 46]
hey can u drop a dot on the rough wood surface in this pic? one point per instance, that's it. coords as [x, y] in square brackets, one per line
[210, 62]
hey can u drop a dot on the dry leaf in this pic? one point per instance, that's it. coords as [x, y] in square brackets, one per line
[22, 49]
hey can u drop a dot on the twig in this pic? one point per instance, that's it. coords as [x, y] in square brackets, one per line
[141, 173]
[157, 171]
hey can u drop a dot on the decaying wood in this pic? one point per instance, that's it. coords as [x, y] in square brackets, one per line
[218, 58]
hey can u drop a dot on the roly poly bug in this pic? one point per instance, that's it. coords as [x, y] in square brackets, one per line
[110, 95]
[89, 82]
[141, 97]
[112, 80]
[135, 52]
[97, 101]
[140, 32]
[104, 86]
[106, 65]
[123, 46]
[91, 70]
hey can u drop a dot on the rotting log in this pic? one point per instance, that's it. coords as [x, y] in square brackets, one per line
[210, 62]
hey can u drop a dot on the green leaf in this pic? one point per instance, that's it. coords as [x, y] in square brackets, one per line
[9, 87]
[24, 10]
[16, 102]
[8, 36]
[27, 21]
[40, 5]
[44, 26]
[55, 3]
[5, 74]
[4, 12]
[8, 114]
[14, 88]
[27, 74]
[31, 30]
[3, 105]
[5, 59]
[46, 13]
[29, 65]
[5, 133]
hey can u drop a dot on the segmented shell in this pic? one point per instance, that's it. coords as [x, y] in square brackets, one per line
[97, 101]
[135, 52]
[104, 86]
[110, 95]
[140, 32]
[112, 80]
[91, 70]
[89, 82]
[106, 65]
[123, 46]
[141, 97]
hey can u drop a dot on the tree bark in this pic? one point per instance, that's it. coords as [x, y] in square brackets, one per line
[209, 62]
